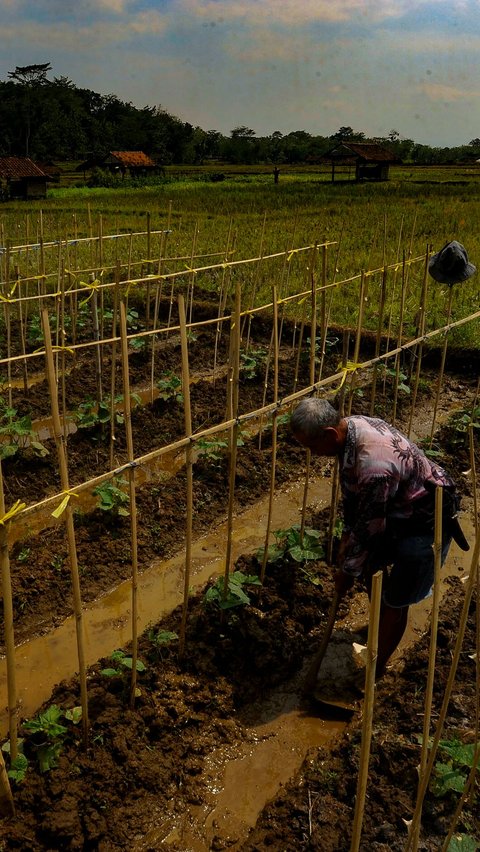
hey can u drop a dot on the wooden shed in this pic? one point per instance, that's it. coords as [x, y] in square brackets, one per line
[370, 160]
[20, 177]
[133, 163]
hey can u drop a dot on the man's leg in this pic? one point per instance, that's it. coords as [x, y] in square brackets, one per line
[393, 622]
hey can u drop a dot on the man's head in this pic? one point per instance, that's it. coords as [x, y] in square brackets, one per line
[319, 427]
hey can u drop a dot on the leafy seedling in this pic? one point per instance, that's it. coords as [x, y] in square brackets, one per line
[18, 767]
[47, 735]
[288, 542]
[161, 640]
[122, 662]
[112, 499]
[170, 387]
[17, 434]
[236, 595]
[211, 449]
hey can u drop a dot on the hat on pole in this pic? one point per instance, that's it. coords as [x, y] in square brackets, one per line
[451, 264]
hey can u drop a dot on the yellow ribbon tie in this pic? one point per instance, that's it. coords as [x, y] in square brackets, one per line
[63, 505]
[350, 367]
[15, 510]
[92, 285]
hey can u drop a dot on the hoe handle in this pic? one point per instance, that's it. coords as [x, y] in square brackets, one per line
[311, 678]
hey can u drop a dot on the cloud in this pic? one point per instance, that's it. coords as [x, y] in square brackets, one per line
[295, 13]
[440, 92]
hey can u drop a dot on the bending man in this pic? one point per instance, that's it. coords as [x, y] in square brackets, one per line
[388, 488]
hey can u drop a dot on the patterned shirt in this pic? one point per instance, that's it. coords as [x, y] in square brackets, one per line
[382, 476]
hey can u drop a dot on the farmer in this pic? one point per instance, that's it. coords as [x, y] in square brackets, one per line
[388, 489]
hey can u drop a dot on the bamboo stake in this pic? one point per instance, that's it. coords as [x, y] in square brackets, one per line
[6, 589]
[131, 489]
[113, 365]
[189, 470]
[336, 471]
[471, 583]
[222, 300]
[191, 285]
[378, 340]
[274, 432]
[23, 326]
[323, 312]
[420, 331]
[471, 446]
[399, 343]
[256, 278]
[437, 549]
[7, 806]
[442, 365]
[234, 375]
[358, 340]
[68, 512]
[96, 337]
[149, 257]
[313, 338]
[368, 707]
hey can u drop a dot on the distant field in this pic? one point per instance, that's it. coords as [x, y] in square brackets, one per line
[371, 223]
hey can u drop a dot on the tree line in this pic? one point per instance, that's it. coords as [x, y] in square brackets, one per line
[53, 119]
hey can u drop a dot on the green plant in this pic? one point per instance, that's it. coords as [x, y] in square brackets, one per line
[138, 343]
[17, 434]
[57, 562]
[161, 639]
[90, 413]
[18, 767]
[210, 448]
[47, 735]
[170, 387]
[252, 362]
[24, 554]
[123, 662]
[463, 843]
[452, 775]
[236, 595]
[111, 498]
[289, 543]
[459, 423]
[390, 376]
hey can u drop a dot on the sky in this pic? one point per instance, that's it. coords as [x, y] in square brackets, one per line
[286, 65]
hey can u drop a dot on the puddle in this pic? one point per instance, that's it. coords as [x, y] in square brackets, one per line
[239, 785]
[45, 660]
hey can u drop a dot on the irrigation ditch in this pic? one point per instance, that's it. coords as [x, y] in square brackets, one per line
[144, 489]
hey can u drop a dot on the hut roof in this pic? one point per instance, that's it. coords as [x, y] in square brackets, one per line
[16, 168]
[367, 152]
[137, 159]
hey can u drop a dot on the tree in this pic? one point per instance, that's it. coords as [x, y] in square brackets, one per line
[29, 77]
[348, 133]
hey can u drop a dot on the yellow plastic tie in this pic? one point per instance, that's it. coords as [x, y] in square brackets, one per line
[350, 367]
[63, 505]
[93, 286]
[41, 351]
[15, 510]
[290, 254]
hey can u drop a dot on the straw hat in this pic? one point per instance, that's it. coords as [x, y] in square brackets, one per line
[451, 265]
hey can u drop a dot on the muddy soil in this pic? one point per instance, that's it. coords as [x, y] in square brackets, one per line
[149, 759]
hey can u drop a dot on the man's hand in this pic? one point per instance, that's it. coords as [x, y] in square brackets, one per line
[343, 582]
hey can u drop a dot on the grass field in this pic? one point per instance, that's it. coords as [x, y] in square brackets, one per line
[371, 223]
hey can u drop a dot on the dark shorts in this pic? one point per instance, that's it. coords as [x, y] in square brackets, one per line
[409, 577]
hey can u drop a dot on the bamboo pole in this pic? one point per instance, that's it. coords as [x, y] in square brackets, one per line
[22, 319]
[336, 471]
[312, 380]
[427, 715]
[68, 513]
[131, 489]
[399, 343]
[222, 300]
[442, 365]
[378, 340]
[274, 432]
[470, 585]
[471, 446]
[323, 312]
[358, 340]
[191, 284]
[234, 376]
[113, 365]
[6, 589]
[368, 707]
[7, 806]
[256, 277]
[420, 331]
[189, 470]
